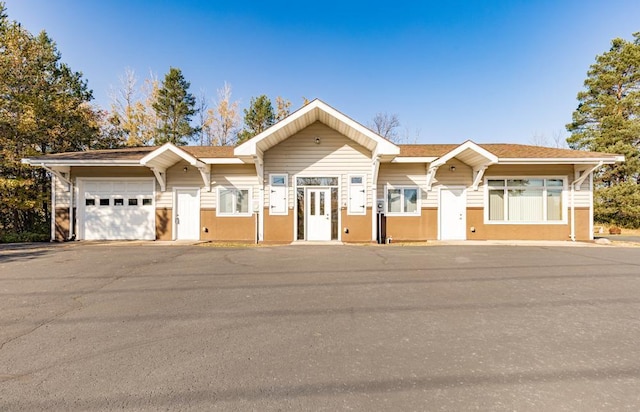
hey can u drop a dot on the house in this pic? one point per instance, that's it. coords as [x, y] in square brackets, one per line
[318, 176]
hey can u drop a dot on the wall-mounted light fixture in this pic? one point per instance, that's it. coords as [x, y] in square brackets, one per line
[317, 140]
[185, 169]
[452, 168]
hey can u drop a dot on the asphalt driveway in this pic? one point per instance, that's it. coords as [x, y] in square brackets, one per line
[105, 327]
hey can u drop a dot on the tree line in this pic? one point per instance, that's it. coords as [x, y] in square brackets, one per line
[46, 107]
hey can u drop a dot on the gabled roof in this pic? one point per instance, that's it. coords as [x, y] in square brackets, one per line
[470, 153]
[168, 155]
[313, 112]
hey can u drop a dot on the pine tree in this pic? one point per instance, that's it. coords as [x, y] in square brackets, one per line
[174, 108]
[608, 120]
[257, 118]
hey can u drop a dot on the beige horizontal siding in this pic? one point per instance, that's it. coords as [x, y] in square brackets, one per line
[335, 155]
[239, 176]
[412, 174]
[63, 195]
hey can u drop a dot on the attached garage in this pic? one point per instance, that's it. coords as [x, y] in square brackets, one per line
[116, 209]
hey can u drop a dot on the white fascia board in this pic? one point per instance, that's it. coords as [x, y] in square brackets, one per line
[249, 148]
[69, 163]
[550, 161]
[415, 159]
[223, 161]
[468, 145]
[175, 150]
[383, 146]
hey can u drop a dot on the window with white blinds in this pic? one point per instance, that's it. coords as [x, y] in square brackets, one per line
[526, 200]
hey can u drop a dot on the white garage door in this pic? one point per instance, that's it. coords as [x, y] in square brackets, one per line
[120, 209]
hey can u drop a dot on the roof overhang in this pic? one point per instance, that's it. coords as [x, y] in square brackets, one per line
[167, 155]
[69, 162]
[469, 153]
[566, 160]
[305, 116]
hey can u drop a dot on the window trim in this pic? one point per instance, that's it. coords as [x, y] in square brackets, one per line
[418, 211]
[286, 191]
[364, 186]
[235, 189]
[564, 198]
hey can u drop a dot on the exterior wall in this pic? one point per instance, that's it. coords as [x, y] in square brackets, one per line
[336, 155]
[164, 223]
[405, 174]
[414, 228]
[475, 219]
[359, 227]
[239, 229]
[177, 177]
[61, 224]
[278, 228]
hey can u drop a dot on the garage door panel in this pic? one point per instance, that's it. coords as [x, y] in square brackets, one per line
[118, 211]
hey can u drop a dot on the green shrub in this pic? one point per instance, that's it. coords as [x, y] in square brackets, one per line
[24, 237]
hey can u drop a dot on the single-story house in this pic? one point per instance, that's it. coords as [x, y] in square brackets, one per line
[319, 176]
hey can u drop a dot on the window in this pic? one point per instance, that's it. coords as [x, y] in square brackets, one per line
[133, 202]
[104, 202]
[317, 181]
[278, 195]
[147, 202]
[402, 201]
[357, 196]
[90, 202]
[118, 202]
[527, 200]
[233, 202]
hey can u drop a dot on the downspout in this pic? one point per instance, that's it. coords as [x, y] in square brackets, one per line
[72, 226]
[53, 207]
[573, 214]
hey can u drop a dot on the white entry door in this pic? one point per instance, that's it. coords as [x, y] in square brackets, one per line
[187, 214]
[318, 207]
[453, 214]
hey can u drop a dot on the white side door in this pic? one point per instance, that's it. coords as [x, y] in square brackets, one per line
[318, 210]
[187, 214]
[453, 214]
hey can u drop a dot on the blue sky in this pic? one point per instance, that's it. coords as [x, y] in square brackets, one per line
[489, 71]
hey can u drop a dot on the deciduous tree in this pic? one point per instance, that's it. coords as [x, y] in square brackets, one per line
[386, 125]
[43, 109]
[223, 119]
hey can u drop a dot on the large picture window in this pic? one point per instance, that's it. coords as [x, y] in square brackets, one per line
[527, 200]
[402, 200]
[233, 202]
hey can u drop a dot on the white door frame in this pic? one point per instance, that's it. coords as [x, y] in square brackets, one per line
[463, 221]
[327, 207]
[294, 184]
[174, 229]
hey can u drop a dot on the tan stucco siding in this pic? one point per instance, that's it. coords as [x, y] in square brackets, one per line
[278, 228]
[164, 223]
[242, 229]
[475, 219]
[335, 155]
[358, 227]
[61, 224]
[413, 228]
